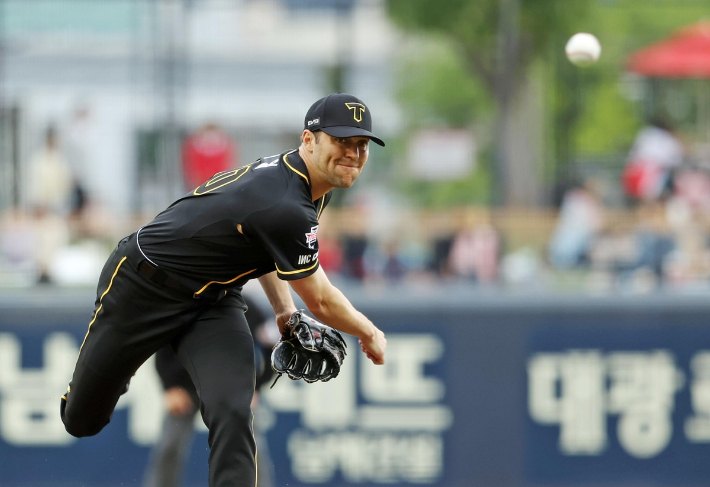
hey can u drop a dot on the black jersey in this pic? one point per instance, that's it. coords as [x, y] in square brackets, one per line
[197, 239]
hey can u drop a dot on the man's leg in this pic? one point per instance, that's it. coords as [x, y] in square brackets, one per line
[97, 384]
[218, 352]
[132, 320]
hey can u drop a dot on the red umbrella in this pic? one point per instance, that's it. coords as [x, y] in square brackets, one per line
[686, 54]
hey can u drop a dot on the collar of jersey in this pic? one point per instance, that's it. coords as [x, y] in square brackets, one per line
[294, 162]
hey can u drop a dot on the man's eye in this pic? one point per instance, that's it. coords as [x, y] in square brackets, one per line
[340, 140]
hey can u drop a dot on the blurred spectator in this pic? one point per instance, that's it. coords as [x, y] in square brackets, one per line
[384, 262]
[52, 235]
[580, 219]
[29, 245]
[355, 243]
[439, 263]
[393, 269]
[654, 242]
[687, 213]
[330, 252]
[17, 237]
[415, 255]
[78, 132]
[653, 250]
[50, 198]
[475, 252]
[205, 153]
[692, 188]
[18, 249]
[50, 177]
[354, 247]
[330, 255]
[654, 155]
[521, 267]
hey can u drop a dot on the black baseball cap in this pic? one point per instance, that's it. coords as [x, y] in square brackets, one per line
[341, 115]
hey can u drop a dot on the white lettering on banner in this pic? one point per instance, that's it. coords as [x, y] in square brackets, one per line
[579, 408]
[29, 397]
[395, 437]
[366, 457]
[570, 389]
[643, 387]
[697, 427]
[403, 379]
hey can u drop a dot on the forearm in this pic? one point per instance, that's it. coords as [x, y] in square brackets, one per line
[330, 306]
[278, 293]
[333, 308]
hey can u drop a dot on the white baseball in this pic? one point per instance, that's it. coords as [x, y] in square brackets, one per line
[583, 49]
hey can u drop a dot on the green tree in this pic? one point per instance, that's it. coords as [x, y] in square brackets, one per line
[499, 40]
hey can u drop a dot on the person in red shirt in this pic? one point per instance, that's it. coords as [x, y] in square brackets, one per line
[205, 153]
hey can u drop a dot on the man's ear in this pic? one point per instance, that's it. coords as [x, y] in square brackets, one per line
[308, 139]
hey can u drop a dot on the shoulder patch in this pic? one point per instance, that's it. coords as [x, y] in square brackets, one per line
[311, 237]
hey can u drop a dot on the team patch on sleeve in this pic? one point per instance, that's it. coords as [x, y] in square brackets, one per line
[289, 233]
[312, 237]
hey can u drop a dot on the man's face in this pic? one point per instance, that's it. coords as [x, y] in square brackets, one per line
[339, 161]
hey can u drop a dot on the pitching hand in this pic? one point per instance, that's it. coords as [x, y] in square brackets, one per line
[374, 347]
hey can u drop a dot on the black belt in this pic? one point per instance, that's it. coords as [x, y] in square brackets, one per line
[161, 278]
[152, 272]
[158, 276]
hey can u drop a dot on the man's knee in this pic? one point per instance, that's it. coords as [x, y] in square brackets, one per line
[235, 413]
[80, 426]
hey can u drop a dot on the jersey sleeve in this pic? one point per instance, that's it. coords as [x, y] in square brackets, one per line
[290, 236]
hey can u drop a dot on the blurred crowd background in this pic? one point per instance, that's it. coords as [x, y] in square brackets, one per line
[510, 180]
[506, 166]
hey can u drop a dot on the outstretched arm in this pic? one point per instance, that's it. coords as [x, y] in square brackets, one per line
[279, 296]
[330, 306]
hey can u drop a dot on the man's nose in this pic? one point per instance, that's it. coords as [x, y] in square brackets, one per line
[353, 152]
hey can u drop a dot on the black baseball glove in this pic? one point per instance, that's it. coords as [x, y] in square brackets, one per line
[308, 350]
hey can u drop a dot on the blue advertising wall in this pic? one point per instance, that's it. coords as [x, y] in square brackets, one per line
[489, 391]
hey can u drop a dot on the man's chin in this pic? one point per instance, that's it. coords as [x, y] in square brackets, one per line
[344, 184]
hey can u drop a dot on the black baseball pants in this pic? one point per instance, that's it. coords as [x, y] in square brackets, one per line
[135, 317]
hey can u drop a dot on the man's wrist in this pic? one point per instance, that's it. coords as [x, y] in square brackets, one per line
[286, 310]
[369, 331]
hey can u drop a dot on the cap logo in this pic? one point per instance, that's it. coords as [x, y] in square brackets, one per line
[358, 109]
[314, 121]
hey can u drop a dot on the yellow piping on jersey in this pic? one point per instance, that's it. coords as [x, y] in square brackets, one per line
[294, 169]
[226, 282]
[322, 205]
[256, 452]
[296, 272]
[101, 304]
[221, 177]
